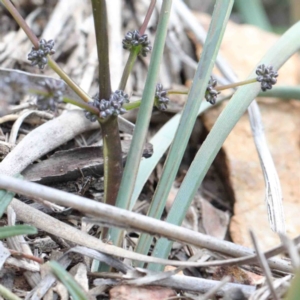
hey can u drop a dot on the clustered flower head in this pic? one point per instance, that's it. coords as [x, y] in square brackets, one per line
[211, 94]
[161, 99]
[107, 108]
[14, 87]
[55, 90]
[134, 39]
[267, 76]
[39, 56]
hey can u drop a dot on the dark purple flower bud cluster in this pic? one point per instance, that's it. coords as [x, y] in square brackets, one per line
[39, 56]
[134, 39]
[161, 99]
[211, 94]
[107, 108]
[55, 90]
[14, 87]
[267, 77]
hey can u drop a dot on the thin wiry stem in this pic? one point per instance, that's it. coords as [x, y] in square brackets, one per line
[147, 17]
[21, 22]
[128, 68]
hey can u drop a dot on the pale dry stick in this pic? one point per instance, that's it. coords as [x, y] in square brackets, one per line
[292, 250]
[264, 292]
[215, 289]
[20, 107]
[51, 225]
[273, 195]
[194, 284]
[151, 276]
[8, 118]
[106, 213]
[264, 264]
[17, 124]
[44, 139]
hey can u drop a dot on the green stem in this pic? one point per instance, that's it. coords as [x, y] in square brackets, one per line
[175, 92]
[57, 69]
[235, 84]
[128, 68]
[218, 88]
[7, 294]
[132, 105]
[75, 102]
[101, 29]
[112, 152]
[114, 169]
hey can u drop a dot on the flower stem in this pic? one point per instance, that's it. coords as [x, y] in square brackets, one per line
[21, 22]
[76, 88]
[132, 105]
[112, 152]
[128, 68]
[218, 88]
[235, 84]
[147, 17]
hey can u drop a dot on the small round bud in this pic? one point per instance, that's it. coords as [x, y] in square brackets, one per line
[55, 90]
[267, 76]
[211, 94]
[134, 39]
[39, 56]
[161, 99]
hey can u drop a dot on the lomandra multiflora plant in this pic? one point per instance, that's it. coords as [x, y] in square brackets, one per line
[106, 106]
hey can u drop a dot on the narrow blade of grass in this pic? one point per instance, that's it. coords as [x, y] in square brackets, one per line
[189, 114]
[9, 231]
[294, 290]
[7, 294]
[161, 141]
[6, 197]
[68, 281]
[287, 45]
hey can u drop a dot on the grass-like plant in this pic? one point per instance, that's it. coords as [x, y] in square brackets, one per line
[121, 187]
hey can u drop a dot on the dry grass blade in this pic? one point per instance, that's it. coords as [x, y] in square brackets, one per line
[265, 266]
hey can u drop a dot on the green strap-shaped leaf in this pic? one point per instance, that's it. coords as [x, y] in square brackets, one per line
[286, 46]
[5, 198]
[294, 290]
[7, 294]
[9, 231]
[143, 118]
[210, 50]
[68, 281]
